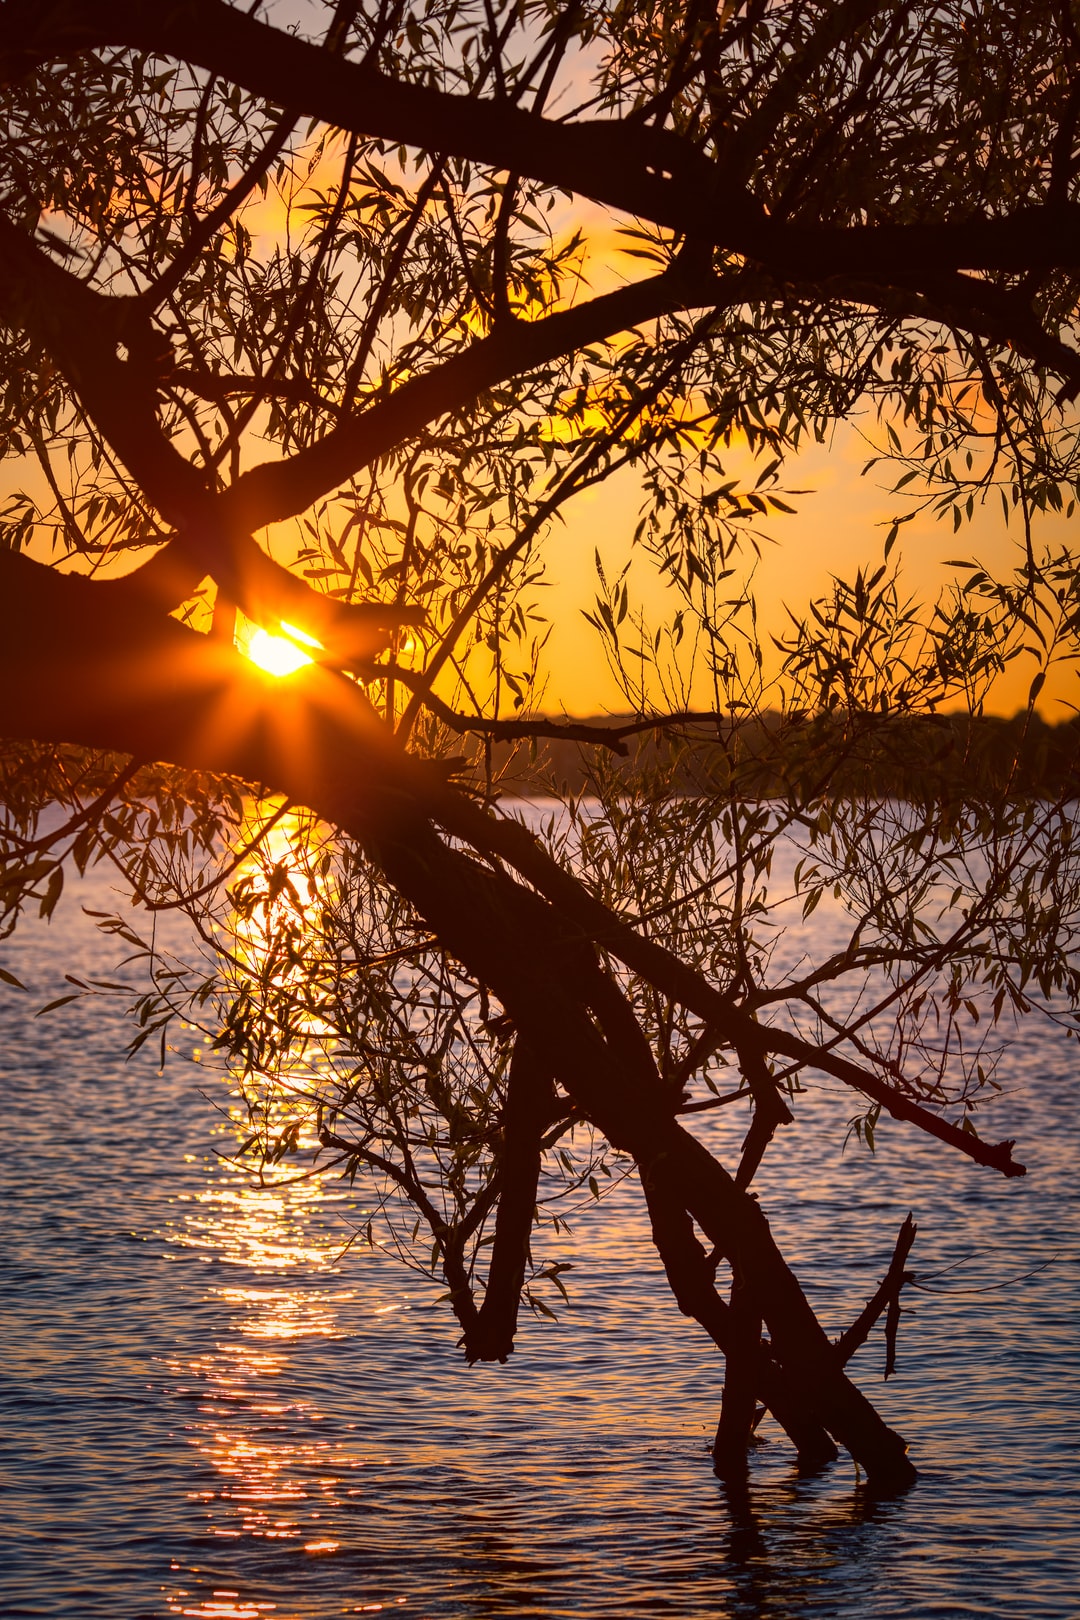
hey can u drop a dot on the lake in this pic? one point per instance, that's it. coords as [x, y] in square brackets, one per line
[210, 1410]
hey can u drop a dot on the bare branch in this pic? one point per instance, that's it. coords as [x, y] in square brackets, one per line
[885, 1298]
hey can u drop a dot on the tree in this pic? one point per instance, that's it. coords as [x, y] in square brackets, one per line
[829, 206]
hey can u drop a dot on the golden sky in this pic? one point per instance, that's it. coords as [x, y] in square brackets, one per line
[838, 527]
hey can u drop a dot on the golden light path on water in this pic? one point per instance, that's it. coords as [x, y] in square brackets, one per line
[276, 1475]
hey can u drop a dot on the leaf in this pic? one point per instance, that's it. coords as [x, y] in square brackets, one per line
[61, 1001]
[9, 978]
[52, 892]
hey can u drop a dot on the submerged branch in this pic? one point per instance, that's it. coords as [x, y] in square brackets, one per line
[885, 1298]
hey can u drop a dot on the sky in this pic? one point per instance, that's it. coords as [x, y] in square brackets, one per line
[838, 527]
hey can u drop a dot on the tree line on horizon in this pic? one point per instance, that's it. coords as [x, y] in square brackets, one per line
[931, 759]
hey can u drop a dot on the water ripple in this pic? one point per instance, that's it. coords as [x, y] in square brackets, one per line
[207, 1411]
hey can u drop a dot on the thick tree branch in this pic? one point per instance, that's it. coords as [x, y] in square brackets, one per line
[280, 489]
[624, 164]
[638, 164]
[84, 331]
[526, 1113]
[692, 1281]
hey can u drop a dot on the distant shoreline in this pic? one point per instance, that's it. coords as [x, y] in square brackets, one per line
[921, 758]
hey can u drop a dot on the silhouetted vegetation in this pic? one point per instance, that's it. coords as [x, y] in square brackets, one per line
[922, 759]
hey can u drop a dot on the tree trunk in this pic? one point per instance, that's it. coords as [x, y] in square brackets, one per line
[739, 1401]
[543, 969]
[690, 1277]
[528, 1107]
[736, 1224]
[159, 692]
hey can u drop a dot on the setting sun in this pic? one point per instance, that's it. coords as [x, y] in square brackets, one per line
[277, 655]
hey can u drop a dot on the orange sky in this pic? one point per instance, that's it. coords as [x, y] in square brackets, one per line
[838, 527]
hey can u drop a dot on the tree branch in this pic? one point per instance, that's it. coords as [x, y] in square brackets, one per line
[513, 842]
[692, 1281]
[167, 694]
[277, 490]
[885, 1297]
[621, 163]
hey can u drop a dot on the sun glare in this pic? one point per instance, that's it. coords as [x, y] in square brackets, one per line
[300, 635]
[277, 655]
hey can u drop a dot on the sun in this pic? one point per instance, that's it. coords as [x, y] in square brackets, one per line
[277, 655]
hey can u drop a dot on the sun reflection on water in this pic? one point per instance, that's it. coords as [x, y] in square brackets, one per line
[256, 1226]
[269, 1469]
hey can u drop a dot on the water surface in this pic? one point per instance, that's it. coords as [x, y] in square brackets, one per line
[209, 1410]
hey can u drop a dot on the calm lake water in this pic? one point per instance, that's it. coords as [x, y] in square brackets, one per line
[208, 1410]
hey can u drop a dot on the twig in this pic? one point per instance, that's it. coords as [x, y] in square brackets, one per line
[886, 1298]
